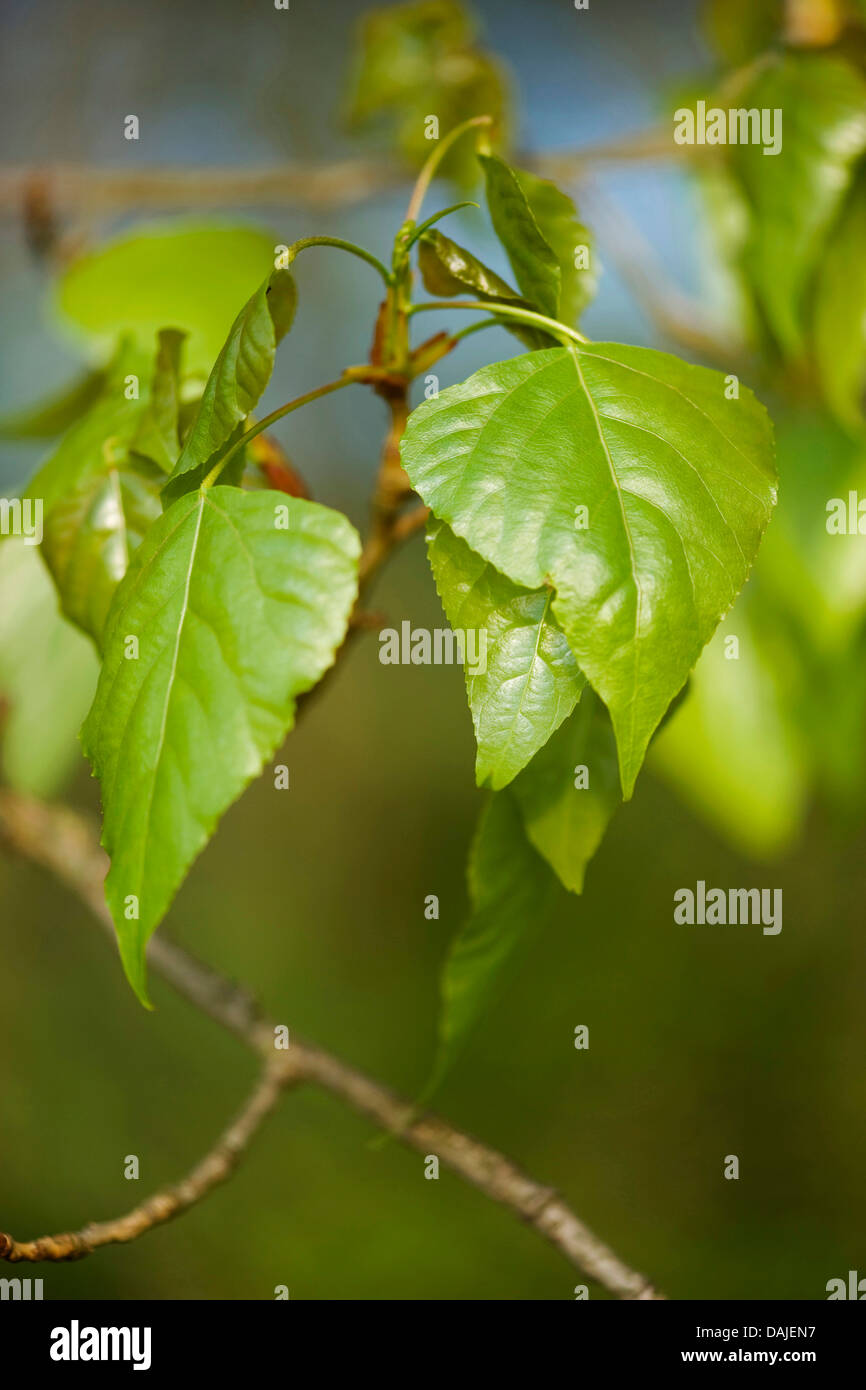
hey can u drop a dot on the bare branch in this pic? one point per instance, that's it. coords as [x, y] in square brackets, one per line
[214, 1168]
[104, 191]
[63, 842]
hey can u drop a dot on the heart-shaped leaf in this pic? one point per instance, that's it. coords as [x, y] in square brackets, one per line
[234, 605]
[531, 681]
[192, 275]
[635, 484]
[237, 381]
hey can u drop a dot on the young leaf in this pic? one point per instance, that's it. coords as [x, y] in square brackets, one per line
[157, 435]
[92, 530]
[840, 313]
[796, 193]
[223, 619]
[533, 260]
[448, 270]
[569, 792]
[627, 480]
[189, 274]
[510, 889]
[237, 381]
[531, 681]
[570, 241]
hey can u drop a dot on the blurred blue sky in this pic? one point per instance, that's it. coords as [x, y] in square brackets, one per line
[232, 81]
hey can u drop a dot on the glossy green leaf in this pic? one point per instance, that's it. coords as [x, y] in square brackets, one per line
[237, 381]
[534, 262]
[840, 312]
[569, 792]
[47, 677]
[510, 890]
[50, 417]
[531, 681]
[92, 531]
[223, 619]
[570, 241]
[627, 480]
[192, 275]
[448, 270]
[796, 194]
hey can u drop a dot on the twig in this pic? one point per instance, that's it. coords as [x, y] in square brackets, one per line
[63, 842]
[214, 1168]
[102, 190]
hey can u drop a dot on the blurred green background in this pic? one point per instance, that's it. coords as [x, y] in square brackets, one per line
[703, 1043]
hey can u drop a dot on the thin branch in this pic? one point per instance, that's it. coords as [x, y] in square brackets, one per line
[63, 842]
[104, 190]
[215, 1168]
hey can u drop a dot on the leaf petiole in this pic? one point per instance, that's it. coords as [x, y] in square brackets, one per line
[341, 245]
[271, 419]
[437, 217]
[428, 173]
[551, 326]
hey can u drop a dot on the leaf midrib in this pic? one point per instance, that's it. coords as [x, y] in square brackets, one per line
[170, 686]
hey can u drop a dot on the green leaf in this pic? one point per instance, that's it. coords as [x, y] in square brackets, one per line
[570, 241]
[531, 681]
[840, 313]
[234, 617]
[731, 751]
[47, 677]
[533, 260]
[191, 275]
[415, 59]
[157, 435]
[564, 818]
[50, 417]
[739, 29]
[510, 890]
[677, 483]
[237, 381]
[115, 415]
[448, 270]
[796, 193]
[92, 530]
